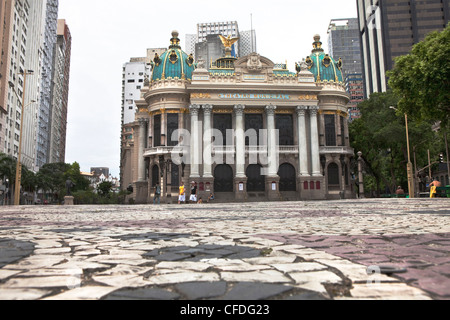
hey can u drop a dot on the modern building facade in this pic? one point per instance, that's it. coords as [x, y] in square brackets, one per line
[135, 74]
[344, 43]
[14, 44]
[245, 129]
[60, 93]
[206, 45]
[48, 42]
[389, 29]
[29, 36]
[354, 85]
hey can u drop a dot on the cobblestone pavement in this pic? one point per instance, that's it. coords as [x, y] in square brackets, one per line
[250, 251]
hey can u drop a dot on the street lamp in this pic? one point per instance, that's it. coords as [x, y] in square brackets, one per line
[19, 165]
[409, 166]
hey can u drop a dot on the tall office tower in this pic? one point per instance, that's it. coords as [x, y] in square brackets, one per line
[7, 19]
[33, 61]
[205, 39]
[60, 93]
[389, 29]
[344, 43]
[15, 35]
[48, 43]
[247, 43]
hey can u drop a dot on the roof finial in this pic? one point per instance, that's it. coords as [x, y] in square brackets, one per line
[175, 41]
[317, 45]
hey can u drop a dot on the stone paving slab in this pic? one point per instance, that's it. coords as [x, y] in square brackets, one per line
[272, 250]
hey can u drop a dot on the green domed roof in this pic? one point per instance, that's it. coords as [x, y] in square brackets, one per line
[174, 63]
[324, 67]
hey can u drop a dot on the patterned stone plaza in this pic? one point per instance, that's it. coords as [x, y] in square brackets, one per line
[237, 251]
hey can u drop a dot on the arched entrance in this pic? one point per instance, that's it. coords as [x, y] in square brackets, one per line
[333, 175]
[223, 178]
[287, 177]
[255, 181]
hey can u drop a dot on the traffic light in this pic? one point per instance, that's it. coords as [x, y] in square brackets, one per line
[441, 157]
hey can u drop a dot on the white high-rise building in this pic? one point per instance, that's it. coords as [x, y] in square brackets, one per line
[133, 77]
[33, 61]
[18, 48]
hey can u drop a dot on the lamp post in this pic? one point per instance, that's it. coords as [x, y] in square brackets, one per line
[19, 156]
[409, 166]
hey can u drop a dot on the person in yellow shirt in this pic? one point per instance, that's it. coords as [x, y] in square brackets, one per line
[181, 195]
[433, 186]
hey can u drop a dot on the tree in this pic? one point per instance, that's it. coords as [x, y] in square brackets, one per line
[421, 79]
[104, 188]
[52, 178]
[380, 134]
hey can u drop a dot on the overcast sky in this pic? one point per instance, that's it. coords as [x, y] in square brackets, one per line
[107, 33]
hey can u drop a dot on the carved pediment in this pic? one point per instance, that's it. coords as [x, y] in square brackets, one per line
[254, 63]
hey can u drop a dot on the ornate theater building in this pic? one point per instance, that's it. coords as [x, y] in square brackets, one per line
[243, 129]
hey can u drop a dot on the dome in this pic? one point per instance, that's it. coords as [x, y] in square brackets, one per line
[173, 63]
[322, 66]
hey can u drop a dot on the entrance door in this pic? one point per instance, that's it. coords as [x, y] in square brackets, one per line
[155, 175]
[255, 181]
[287, 177]
[223, 178]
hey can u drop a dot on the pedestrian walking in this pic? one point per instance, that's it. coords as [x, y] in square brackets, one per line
[433, 186]
[157, 194]
[181, 195]
[193, 196]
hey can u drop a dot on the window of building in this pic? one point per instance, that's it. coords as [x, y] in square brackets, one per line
[157, 130]
[222, 122]
[253, 123]
[330, 130]
[172, 126]
[342, 131]
[333, 174]
[284, 123]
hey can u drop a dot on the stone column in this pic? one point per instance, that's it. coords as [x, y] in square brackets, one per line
[271, 141]
[302, 141]
[195, 146]
[315, 153]
[240, 141]
[207, 141]
[142, 138]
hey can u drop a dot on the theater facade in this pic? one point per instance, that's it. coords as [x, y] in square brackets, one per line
[244, 129]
